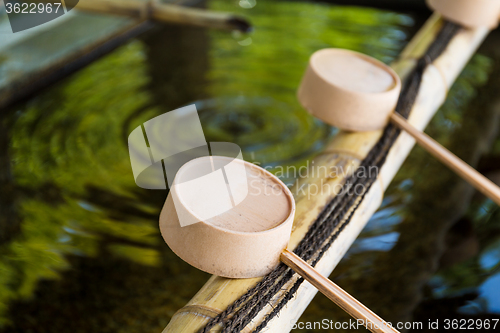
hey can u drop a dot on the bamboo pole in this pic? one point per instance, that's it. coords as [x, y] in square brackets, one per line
[346, 150]
[167, 13]
[337, 295]
[468, 173]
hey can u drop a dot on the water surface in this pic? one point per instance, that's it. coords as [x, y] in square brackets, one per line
[79, 242]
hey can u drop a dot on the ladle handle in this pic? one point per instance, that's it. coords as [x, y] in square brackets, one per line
[480, 182]
[336, 294]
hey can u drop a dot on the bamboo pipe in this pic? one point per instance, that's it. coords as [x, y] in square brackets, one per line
[472, 176]
[336, 294]
[154, 10]
[346, 150]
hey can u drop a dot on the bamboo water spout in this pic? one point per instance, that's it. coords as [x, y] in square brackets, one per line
[346, 149]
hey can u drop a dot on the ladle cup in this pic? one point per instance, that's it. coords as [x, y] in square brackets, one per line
[355, 92]
[232, 218]
[469, 13]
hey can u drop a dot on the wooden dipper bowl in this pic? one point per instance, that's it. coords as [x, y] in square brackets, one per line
[469, 13]
[240, 239]
[355, 92]
[349, 90]
[234, 219]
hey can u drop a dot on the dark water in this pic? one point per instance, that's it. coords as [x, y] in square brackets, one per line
[79, 242]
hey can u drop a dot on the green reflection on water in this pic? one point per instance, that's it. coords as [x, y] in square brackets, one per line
[75, 213]
[270, 63]
[63, 144]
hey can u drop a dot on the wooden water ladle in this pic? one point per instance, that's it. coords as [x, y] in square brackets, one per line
[241, 229]
[355, 92]
[468, 13]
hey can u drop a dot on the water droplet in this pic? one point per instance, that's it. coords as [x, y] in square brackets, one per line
[248, 3]
[245, 42]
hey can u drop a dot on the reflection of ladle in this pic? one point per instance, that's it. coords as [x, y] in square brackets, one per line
[222, 245]
[355, 92]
